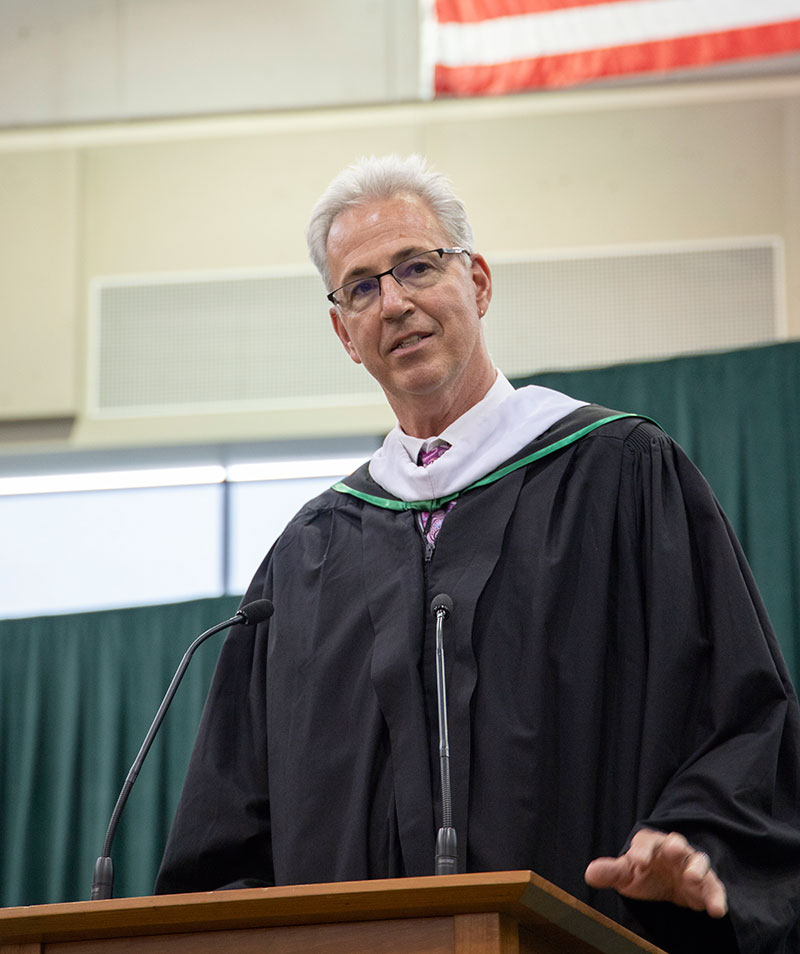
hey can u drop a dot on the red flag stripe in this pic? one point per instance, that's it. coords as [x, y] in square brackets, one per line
[595, 27]
[568, 69]
[476, 11]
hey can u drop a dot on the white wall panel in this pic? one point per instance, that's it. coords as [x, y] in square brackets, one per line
[59, 61]
[77, 551]
[204, 56]
[86, 60]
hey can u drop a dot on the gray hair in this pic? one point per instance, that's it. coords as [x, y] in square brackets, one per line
[385, 177]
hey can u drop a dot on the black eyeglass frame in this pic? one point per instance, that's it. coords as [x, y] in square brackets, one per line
[456, 250]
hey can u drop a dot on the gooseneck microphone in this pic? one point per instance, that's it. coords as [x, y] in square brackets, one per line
[103, 883]
[446, 859]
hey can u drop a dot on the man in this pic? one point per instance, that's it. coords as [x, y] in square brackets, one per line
[620, 718]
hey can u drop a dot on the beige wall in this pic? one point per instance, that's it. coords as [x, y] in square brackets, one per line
[38, 271]
[713, 160]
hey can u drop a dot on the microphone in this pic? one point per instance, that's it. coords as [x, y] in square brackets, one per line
[446, 859]
[249, 615]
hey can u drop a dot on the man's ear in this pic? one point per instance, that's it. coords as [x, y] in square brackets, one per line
[482, 279]
[344, 337]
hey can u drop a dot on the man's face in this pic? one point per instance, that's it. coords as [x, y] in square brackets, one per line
[415, 343]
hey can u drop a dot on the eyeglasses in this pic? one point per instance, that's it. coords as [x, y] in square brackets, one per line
[421, 271]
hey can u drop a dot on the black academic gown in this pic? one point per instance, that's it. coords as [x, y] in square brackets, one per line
[609, 666]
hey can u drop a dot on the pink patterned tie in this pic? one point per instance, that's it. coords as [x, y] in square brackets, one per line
[431, 523]
[433, 453]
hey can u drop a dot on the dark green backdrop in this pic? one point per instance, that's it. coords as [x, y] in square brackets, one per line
[77, 693]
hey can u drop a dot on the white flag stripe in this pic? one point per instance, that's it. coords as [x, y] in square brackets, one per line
[599, 26]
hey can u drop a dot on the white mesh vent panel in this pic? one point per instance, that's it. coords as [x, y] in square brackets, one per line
[593, 310]
[205, 343]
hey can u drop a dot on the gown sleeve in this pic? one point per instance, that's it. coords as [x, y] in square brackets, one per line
[220, 837]
[719, 760]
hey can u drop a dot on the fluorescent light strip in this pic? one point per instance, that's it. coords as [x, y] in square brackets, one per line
[112, 480]
[178, 476]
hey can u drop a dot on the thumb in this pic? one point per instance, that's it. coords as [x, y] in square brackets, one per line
[607, 872]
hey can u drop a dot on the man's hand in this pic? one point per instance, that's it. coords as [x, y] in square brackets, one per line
[661, 867]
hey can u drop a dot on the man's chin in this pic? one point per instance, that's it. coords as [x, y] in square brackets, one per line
[421, 383]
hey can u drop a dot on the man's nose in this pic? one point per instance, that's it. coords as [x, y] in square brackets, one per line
[394, 298]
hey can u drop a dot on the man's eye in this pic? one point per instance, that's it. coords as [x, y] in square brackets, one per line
[414, 269]
[362, 289]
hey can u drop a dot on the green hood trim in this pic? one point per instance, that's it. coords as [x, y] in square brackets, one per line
[389, 503]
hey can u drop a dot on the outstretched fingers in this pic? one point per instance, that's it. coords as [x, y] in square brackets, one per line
[662, 867]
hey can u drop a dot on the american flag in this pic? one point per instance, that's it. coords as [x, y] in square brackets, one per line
[484, 47]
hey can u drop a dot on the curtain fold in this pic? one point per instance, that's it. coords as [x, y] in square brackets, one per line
[78, 692]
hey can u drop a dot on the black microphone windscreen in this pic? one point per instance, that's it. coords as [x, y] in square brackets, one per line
[442, 602]
[256, 612]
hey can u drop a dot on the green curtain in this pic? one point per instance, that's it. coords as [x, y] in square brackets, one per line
[77, 693]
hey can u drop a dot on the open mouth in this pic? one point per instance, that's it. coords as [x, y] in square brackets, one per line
[410, 341]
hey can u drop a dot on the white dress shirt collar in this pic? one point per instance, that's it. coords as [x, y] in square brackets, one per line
[483, 438]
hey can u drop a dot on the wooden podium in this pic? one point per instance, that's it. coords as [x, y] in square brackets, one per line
[507, 912]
